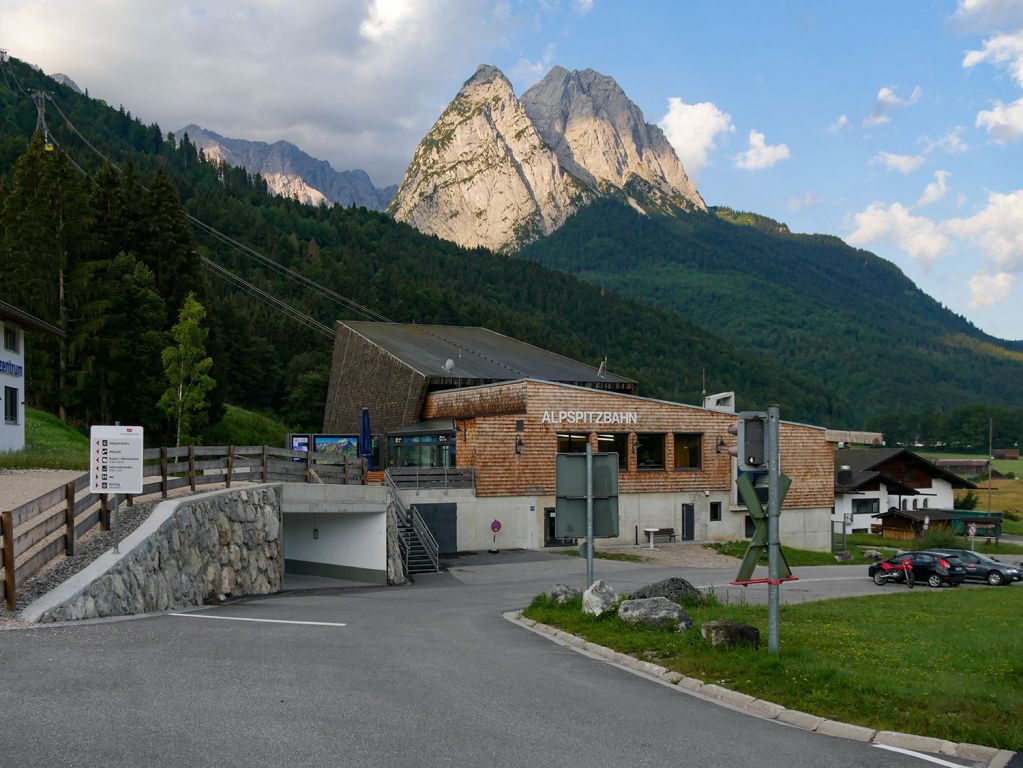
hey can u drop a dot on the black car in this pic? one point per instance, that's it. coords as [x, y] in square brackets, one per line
[983, 568]
[935, 568]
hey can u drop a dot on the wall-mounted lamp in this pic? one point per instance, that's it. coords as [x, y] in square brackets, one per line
[722, 446]
[519, 445]
[316, 533]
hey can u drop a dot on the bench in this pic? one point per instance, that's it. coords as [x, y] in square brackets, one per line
[669, 532]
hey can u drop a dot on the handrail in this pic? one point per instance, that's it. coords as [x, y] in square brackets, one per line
[400, 508]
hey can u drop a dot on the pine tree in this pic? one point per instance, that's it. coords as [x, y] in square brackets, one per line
[187, 368]
[167, 246]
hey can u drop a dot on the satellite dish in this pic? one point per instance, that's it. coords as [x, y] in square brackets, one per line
[449, 365]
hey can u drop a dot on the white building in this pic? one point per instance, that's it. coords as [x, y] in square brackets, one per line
[13, 324]
[873, 480]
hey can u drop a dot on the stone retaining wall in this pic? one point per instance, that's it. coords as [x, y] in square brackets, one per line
[189, 552]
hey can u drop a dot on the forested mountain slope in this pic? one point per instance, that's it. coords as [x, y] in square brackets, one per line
[815, 306]
[120, 245]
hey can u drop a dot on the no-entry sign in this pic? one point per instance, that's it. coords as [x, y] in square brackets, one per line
[115, 459]
[495, 526]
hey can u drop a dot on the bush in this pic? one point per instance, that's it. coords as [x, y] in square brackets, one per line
[968, 500]
[937, 537]
[1012, 514]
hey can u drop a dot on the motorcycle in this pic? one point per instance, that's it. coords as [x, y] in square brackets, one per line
[895, 573]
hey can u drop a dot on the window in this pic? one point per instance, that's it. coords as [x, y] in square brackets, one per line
[687, 451]
[617, 443]
[903, 504]
[10, 339]
[715, 511]
[10, 405]
[572, 443]
[914, 503]
[865, 506]
[650, 451]
[925, 503]
[421, 450]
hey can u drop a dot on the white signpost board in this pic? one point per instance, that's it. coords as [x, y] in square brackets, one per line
[115, 460]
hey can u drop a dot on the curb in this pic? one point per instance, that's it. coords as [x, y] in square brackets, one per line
[741, 702]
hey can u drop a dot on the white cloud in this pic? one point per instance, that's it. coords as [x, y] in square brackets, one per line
[1004, 122]
[798, 203]
[1005, 50]
[934, 191]
[918, 236]
[887, 99]
[997, 229]
[582, 6]
[357, 83]
[838, 125]
[526, 72]
[989, 290]
[693, 131]
[900, 163]
[981, 15]
[760, 154]
[951, 143]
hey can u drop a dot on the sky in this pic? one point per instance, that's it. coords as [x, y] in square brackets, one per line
[897, 126]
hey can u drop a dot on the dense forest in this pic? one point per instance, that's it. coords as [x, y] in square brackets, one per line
[102, 247]
[821, 309]
[967, 428]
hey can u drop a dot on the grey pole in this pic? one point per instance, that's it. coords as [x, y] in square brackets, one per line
[589, 515]
[117, 515]
[773, 545]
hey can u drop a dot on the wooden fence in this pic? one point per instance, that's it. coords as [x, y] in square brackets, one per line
[47, 527]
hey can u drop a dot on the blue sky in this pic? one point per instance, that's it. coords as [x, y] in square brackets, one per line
[895, 125]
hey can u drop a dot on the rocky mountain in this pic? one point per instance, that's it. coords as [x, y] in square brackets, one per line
[63, 79]
[599, 135]
[291, 172]
[498, 172]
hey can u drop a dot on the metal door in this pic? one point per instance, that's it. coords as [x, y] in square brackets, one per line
[442, 520]
[688, 522]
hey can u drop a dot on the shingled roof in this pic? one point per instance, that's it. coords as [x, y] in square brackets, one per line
[865, 468]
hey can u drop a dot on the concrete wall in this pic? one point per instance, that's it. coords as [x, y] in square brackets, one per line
[522, 519]
[188, 551]
[12, 374]
[350, 524]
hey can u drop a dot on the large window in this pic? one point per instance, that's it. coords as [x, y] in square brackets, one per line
[687, 451]
[616, 443]
[650, 451]
[10, 405]
[10, 339]
[421, 450]
[568, 443]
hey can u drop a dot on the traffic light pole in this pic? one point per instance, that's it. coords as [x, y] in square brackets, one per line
[773, 539]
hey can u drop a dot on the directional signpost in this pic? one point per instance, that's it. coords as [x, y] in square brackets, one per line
[115, 464]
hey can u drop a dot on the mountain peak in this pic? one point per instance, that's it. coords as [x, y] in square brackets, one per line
[497, 171]
[600, 135]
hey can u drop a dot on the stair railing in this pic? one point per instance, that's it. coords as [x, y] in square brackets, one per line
[426, 537]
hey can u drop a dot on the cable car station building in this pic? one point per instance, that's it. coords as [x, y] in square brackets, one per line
[500, 410]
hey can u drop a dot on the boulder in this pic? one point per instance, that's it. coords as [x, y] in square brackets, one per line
[599, 598]
[730, 633]
[658, 611]
[674, 588]
[873, 554]
[562, 593]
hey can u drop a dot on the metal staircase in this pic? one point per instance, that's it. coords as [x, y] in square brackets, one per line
[419, 550]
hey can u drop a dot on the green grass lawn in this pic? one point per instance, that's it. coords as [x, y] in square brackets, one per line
[868, 541]
[946, 663]
[49, 444]
[794, 557]
[242, 427]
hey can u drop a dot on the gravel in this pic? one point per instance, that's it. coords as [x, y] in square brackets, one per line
[87, 548]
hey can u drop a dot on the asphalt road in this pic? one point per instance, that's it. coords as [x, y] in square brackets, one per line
[426, 675]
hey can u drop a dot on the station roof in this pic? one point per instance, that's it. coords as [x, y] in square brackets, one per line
[463, 356]
[25, 320]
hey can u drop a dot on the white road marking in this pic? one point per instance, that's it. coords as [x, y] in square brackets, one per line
[262, 621]
[921, 755]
